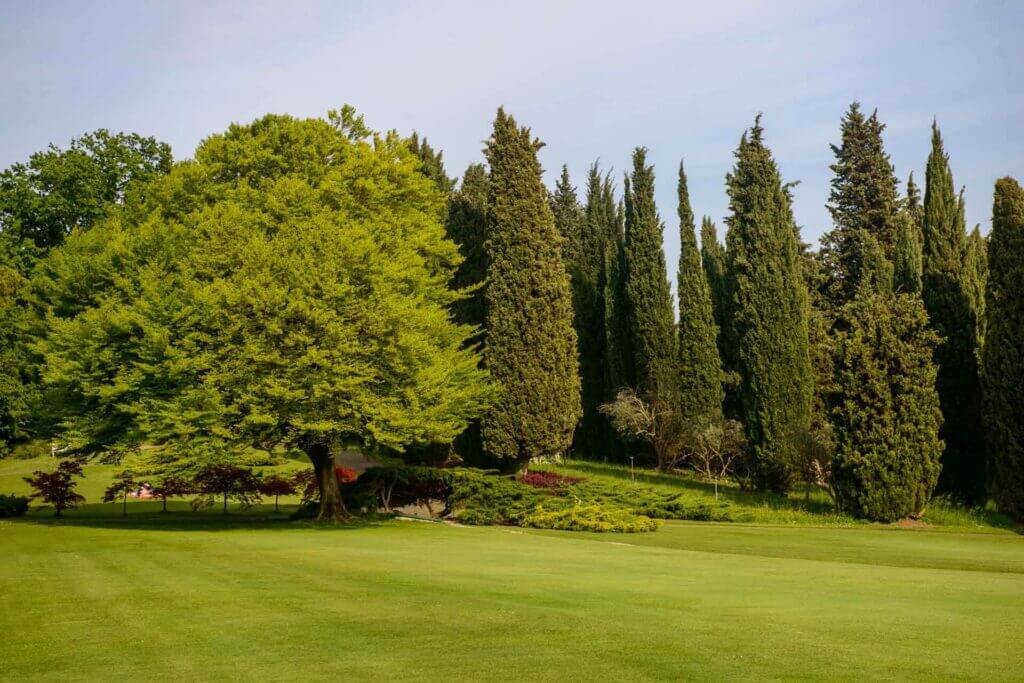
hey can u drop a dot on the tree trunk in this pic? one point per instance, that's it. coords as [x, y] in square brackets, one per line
[332, 509]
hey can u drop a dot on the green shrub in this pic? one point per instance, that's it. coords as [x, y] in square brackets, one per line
[13, 506]
[589, 518]
[480, 499]
[30, 450]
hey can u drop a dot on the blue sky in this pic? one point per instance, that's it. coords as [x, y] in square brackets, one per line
[592, 79]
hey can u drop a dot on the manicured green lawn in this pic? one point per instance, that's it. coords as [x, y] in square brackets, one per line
[195, 596]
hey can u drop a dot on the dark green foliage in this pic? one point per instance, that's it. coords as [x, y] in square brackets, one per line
[467, 227]
[769, 312]
[433, 164]
[885, 415]
[619, 348]
[948, 299]
[863, 202]
[649, 297]
[531, 350]
[568, 215]
[700, 368]
[976, 275]
[712, 256]
[907, 256]
[13, 506]
[57, 190]
[1003, 355]
[914, 206]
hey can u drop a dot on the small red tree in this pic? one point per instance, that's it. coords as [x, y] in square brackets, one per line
[122, 486]
[228, 481]
[172, 486]
[277, 486]
[58, 487]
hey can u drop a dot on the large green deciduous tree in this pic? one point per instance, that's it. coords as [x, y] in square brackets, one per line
[700, 368]
[1003, 354]
[531, 348]
[769, 312]
[648, 293]
[886, 413]
[947, 297]
[57, 190]
[288, 287]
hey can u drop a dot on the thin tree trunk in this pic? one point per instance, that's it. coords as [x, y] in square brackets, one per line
[332, 509]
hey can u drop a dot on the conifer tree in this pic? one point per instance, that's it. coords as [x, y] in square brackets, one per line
[568, 213]
[976, 272]
[652, 321]
[531, 344]
[1003, 354]
[907, 256]
[467, 227]
[886, 413]
[863, 201]
[712, 256]
[433, 163]
[914, 206]
[618, 347]
[769, 315]
[700, 368]
[948, 301]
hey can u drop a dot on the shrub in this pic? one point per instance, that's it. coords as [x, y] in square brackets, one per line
[30, 450]
[589, 518]
[13, 506]
[548, 480]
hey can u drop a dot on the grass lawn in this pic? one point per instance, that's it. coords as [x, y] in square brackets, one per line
[197, 596]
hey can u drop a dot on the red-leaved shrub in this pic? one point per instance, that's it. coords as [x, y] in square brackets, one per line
[548, 480]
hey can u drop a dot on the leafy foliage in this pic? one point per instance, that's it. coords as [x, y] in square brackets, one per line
[123, 484]
[13, 506]
[57, 488]
[227, 482]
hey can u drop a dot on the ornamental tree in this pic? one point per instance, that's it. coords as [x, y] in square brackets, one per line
[172, 486]
[57, 488]
[277, 486]
[289, 287]
[123, 484]
[226, 481]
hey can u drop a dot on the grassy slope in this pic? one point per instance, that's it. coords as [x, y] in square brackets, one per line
[195, 596]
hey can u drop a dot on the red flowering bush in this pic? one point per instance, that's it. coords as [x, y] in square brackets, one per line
[548, 480]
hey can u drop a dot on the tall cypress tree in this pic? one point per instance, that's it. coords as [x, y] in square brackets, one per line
[948, 301]
[467, 227]
[652, 320]
[700, 367]
[907, 256]
[712, 256]
[914, 206]
[864, 201]
[565, 206]
[886, 413]
[618, 348]
[976, 272]
[531, 344]
[1003, 354]
[769, 313]
[433, 163]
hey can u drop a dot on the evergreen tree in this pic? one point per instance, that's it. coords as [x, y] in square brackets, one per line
[568, 213]
[948, 301]
[976, 272]
[863, 201]
[769, 312]
[712, 256]
[531, 344]
[652, 321]
[433, 163]
[618, 347]
[914, 206]
[467, 227]
[1003, 355]
[700, 368]
[907, 256]
[886, 413]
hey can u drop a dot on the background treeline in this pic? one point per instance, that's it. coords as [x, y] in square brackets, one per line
[884, 366]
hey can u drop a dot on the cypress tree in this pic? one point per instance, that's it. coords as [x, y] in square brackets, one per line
[976, 270]
[700, 368]
[467, 227]
[565, 206]
[907, 256]
[652, 320]
[1003, 354]
[948, 301]
[914, 206]
[618, 349]
[712, 256]
[531, 345]
[769, 312]
[433, 163]
[863, 201]
[886, 413]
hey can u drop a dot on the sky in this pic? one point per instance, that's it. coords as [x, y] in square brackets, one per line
[592, 79]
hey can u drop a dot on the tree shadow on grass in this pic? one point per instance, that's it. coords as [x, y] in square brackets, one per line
[181, 518]
[818, 504]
